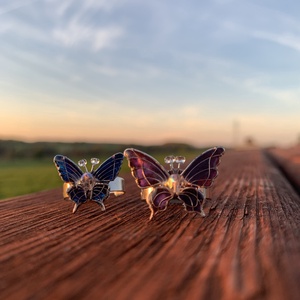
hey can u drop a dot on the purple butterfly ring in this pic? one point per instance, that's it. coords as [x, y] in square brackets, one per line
[96, 185]
[160, 187]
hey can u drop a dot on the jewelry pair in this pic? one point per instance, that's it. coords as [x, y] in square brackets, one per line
[159, 186]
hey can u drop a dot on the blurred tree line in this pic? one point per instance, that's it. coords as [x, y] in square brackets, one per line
[11, 149]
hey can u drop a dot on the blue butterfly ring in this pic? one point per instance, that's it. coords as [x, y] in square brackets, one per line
[160, 187]
[95, 185]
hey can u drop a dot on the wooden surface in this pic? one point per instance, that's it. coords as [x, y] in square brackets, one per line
[247, 247]
[288, 161]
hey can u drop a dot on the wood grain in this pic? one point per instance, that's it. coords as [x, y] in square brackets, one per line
[247, 247]
[288, 160]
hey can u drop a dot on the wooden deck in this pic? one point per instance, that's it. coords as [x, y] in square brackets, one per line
[247, 247]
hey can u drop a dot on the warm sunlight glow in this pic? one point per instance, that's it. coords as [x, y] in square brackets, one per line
[107, 71]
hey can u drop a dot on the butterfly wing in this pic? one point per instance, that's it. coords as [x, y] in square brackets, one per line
[204, 169]
[146, 170]
[109, 169]
[192, 199]
[100, 193]
[77, 195]
[67, 169]
[160, 198]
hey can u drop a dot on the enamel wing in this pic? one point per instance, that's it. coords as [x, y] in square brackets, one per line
[96, 185]
[159, 187]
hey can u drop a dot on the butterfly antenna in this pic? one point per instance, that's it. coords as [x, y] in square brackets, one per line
[170, 160]
[180, 160]
[94, 161]
[82, 163]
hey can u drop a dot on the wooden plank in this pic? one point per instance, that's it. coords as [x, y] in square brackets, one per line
[247, 247]
[288, 159]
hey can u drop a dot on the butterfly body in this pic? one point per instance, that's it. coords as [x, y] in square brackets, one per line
[159, 187]
[175, 183]
[87, 182]
[82, 186]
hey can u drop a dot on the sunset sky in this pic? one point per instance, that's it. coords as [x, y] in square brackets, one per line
[201, 72]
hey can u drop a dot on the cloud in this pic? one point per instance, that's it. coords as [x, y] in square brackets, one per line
[105, 37]
[71, 20]
[259, 86]
[15, 6]
[78, 34]
[106, 5]
[61, 8]
[287, 39]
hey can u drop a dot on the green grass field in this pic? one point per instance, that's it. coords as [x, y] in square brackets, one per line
[24, 177]
[20, 177]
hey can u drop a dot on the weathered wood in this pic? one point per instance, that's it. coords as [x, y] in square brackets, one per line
[247, 247]
[288, 160]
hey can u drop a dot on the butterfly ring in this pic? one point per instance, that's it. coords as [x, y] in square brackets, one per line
[95, 185]
[159, 187]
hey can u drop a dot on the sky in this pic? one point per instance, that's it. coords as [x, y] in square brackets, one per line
[130, 71]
